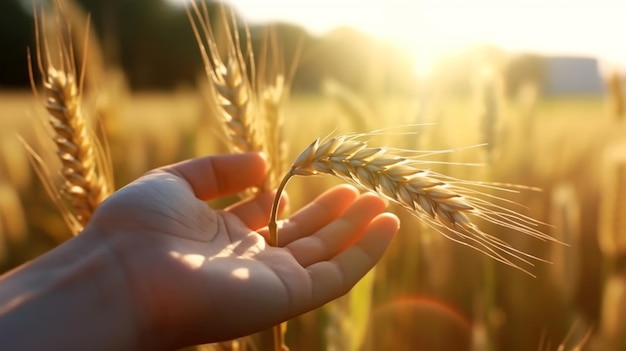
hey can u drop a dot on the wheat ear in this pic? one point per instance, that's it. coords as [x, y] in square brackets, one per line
[228, 71]
[446, 204]
[231, 75]
[85, 178]
[247, 103]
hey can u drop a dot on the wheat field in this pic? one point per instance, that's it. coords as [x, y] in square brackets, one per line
[428, 293]
[422, 273]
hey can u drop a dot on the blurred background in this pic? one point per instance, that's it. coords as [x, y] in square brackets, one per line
[541, 83]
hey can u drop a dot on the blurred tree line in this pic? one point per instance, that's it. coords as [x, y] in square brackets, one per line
[152, 43]
[16, 34]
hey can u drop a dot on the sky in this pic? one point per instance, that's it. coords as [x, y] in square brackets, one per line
[430, 28]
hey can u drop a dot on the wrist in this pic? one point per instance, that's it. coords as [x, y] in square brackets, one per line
[134, 257]
[73, 297]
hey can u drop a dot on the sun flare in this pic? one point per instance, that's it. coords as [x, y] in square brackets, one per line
[429, 29]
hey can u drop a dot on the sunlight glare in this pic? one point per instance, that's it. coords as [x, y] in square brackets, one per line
[194, 261]
[241, 273]
[431, 28]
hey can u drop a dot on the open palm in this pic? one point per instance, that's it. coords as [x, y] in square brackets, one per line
[202, 275]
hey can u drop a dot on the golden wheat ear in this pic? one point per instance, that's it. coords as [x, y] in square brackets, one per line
[77, 174]
[229, 70]
[247, 101]
[450, 206]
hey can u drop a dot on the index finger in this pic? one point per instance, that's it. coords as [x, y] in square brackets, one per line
[219, 175]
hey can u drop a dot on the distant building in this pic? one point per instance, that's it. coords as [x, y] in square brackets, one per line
[556, 76]
[567, 75]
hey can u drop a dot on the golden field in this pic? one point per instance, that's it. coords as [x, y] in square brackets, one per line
[428, 293]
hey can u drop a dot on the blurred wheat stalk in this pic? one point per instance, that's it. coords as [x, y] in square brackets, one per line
[612, 242]
[12, 218]
[84, 178]
[617, 95]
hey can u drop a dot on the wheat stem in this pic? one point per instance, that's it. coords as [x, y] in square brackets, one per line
[277, 330]
[273, 224]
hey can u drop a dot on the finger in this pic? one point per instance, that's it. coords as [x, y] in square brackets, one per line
[215, 176]
[316, 214]
[255, 212]
[338, 234]
[332, 279]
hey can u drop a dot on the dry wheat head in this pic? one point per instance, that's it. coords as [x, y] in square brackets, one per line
[247, 103]
[450, 206]
[85, 179]
[228, 70]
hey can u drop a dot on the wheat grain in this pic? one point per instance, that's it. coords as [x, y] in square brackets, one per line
[235, 98]
[85, 178]
[449, 205]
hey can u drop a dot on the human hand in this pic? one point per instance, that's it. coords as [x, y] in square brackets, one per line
[200, 275]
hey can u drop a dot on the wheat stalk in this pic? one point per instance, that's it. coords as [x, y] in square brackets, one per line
[612, 244]
[272, 98]
[448, 205]
[13, 225]
[235, 97]
[617, 95]
[85, 179]
[272, 88]
[613, 312]
[491, 113]
[353, 106]
[611, 224]
[565, 216]
[247, 103]
[232, 91]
